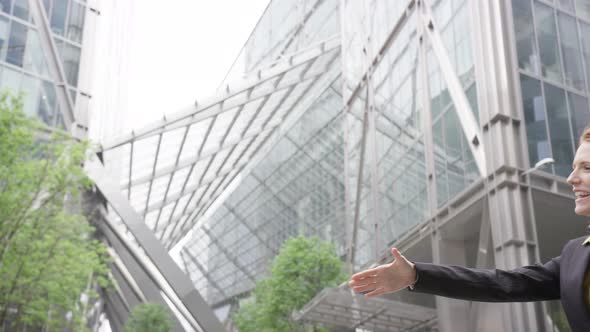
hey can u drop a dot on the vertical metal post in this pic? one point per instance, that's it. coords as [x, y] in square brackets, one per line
[372, 141]
[359, 191]
[426, 118]
[350, 227]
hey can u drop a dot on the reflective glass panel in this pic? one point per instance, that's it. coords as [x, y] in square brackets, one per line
[559, 129]
[570, 49]
[548, 47]
[58, 16]
[21, 9]
[580, 114]
[566, 5]
[585, 31]
[75, 22]
[5, 5]
[3, 36]
[528, 58]
[46, 108]
[16, 44]
[583, 9]
[535, 119]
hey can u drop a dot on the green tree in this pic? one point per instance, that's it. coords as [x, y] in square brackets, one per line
[303, 267]
[149, 317]
[47, 253]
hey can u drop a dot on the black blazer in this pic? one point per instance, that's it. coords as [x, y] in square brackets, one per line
[560, 278]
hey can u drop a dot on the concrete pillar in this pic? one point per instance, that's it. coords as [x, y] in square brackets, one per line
[512, 224]
[453, 315]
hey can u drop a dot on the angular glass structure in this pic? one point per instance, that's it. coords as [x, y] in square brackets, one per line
[373, 124]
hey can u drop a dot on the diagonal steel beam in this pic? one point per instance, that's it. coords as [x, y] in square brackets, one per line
[168, 275]
[462, 106]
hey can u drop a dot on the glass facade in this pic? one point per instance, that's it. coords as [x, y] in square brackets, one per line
[297, 190]
[554, 58]
[24, 62]
[285, 27]
[329, 170]
[376, 156]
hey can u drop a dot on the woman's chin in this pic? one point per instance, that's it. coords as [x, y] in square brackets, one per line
[583, 211]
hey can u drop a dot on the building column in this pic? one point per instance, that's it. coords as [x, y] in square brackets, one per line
[512, 224]
[453, 314]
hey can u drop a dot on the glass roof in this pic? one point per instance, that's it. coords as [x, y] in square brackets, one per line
[174, 169]
[341, 309]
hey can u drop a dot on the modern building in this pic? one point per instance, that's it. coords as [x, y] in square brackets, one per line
[372, 124]
[46, 51]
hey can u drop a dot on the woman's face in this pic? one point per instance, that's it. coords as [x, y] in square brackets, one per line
[580, 179]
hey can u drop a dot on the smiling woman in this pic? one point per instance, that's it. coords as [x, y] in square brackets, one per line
[564, 277]
[580, 175]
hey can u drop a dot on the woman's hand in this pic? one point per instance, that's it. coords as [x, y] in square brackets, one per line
[387, 278]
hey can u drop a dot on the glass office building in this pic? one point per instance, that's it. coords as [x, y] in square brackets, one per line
[374, 124]
[43, 55]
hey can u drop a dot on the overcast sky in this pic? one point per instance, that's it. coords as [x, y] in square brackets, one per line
[181, 50]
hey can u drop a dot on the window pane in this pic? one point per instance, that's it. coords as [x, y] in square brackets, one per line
[21, 9]
[70, 56]
[566, 5]
[583, 8]
[58, 16]
[559, 129]
[3, 36]
[76, 22]
[547, 34]
[11, 79]
[30, 89]
[534, 114]
[574, 75]
[16, 44]
[5, 5]
[46, 107]
[34, 55]
[47, 6]
[453, 150]
[528, 59]
[585, 30]
[580, 114]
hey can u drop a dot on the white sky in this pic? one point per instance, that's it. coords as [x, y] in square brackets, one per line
[181, 50]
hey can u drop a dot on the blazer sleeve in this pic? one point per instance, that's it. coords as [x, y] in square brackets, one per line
[528, 283]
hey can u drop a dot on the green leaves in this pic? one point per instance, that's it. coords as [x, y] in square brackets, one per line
[303, 267]
[47, 257]
[149, 317]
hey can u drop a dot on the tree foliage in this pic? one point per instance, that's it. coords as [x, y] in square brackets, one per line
[149, 317]
[47, 253]
[303, 267]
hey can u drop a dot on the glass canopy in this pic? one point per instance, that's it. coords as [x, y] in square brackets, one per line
[173, 170]
[341, 309]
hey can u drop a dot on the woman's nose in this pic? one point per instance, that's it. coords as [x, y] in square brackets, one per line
[573, 178]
